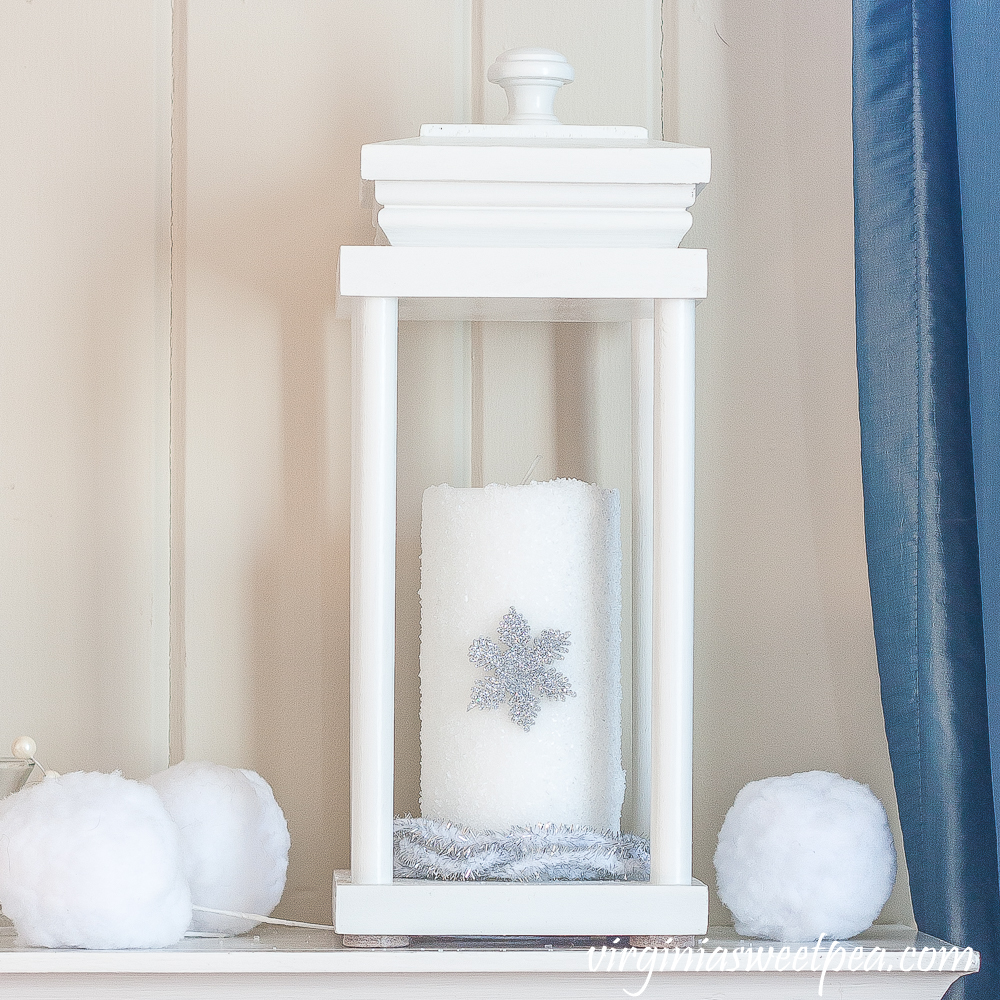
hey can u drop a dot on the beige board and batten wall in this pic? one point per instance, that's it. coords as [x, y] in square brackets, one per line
[247, 118]
[786, 675]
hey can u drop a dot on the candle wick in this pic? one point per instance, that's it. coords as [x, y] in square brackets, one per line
[531, 469]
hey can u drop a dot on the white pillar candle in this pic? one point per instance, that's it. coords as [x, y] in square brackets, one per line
[552, 551]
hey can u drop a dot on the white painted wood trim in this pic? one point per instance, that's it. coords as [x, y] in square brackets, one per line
[673, 592]
[373, 590]
[534, 986]
[606, 161]
[517, 310]
[417, 907]
[469, 985]
[534, 272]
[292, 964]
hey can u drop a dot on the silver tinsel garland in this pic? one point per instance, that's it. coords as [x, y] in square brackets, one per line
[547, 852]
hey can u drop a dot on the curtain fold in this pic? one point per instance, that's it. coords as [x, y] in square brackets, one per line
[918, 471]
[976, 46]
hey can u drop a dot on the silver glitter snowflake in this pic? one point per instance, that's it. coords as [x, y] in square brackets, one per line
[521, 674]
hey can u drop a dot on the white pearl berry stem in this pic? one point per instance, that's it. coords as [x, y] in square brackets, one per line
[24, 748]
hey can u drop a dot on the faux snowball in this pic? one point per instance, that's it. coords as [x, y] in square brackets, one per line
[805, 855]
[234, 840]
[92, 861]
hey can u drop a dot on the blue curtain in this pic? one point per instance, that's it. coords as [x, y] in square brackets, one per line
[976, 44]
[926, 130]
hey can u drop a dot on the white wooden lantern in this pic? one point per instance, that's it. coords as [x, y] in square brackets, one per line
[531, 219]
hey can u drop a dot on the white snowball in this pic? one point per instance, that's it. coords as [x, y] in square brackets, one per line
[234, 840]
[92, 861]
[805, 855]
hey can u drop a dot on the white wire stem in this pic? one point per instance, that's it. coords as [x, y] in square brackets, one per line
[261, 919]
[531, 469]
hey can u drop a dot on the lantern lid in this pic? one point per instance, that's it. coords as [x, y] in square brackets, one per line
[533, 181]
[488, 156]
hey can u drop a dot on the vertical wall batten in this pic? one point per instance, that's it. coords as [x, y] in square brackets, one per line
[475, 87]
[177, 380]
[160, 528]
[476, 83]
[654, 68]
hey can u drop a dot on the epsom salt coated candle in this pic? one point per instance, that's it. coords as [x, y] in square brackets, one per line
[538, 739]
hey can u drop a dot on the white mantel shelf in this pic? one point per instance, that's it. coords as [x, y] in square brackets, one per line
[291, 964]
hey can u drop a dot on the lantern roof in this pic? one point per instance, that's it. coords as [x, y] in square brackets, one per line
[533, 181]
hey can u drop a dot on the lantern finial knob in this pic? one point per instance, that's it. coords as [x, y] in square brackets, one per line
[531, 78]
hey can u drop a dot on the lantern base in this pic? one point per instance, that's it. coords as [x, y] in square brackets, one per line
[458, 909]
